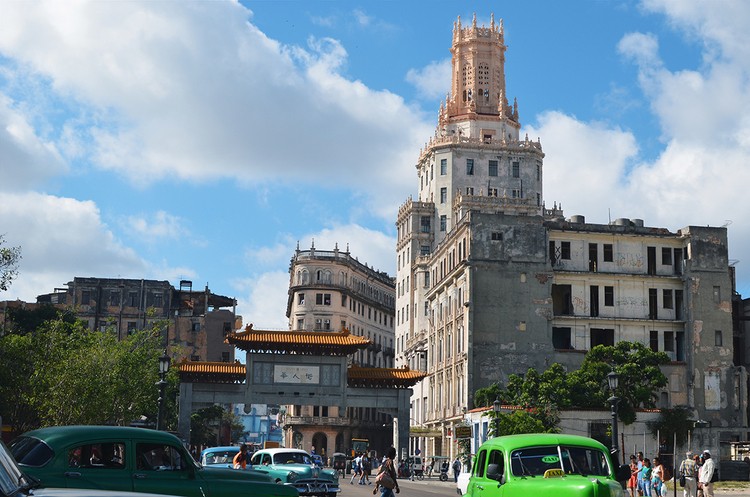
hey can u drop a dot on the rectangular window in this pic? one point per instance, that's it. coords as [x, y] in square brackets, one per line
[516, 193]
[158, 300]
[300, 324]
[594, 301]
[326, 299]
[318, 324]
[609, 296]
[196, 326]
[469, 190]
[538, 172]
[652, 304]
[424, 250]
[318, 299]
[669, 341]
[300, 299]
[565, 250]
[667, 299]
[327, 324]
[653, 340]
[85, 297]
[604, 337]
[133, 299]
[225, 357]
[132, 326]
[516, 169]
[497, 236]
[443, 195]
[470, 167]
[492, 192]
[114, 298]
[561, 338]
[493, 168]
[343, 300]
[666, 256]
[608, 254]
[443, 167]
[443, 222]
[425, 224]
[718, 339]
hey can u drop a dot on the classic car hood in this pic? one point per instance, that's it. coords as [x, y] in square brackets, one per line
[567, 486]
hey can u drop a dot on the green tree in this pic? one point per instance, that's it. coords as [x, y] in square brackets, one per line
[638, 371]
[23, 321]
[671, 422]
[9, 259]
[484, 397]
[64, 373]
[515, 423]
[204, 424]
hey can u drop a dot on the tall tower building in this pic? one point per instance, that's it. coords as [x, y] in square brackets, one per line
[490, 282]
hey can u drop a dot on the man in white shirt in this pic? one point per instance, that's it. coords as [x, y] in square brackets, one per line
[706, 474]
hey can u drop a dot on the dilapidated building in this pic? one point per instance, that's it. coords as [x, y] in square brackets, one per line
[491, 282]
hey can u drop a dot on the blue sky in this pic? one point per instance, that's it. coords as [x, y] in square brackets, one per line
[203, 140]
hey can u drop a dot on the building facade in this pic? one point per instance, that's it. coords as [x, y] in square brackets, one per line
[490, 282]
[330, 290]
[198, 321]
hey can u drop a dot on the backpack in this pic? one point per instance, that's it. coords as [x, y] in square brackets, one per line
[456, 466]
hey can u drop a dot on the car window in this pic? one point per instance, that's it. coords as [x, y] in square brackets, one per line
[584, 460]
[291, 458]
[225, 457]
[535, 461]
[159, 457]
[495, 464]
[31, 451]
[479, 465]
[110, 455]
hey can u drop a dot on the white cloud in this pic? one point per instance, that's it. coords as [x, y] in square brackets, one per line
[195, 91]
[27, 159]
[433, 80]
[60, 239]
[266, 292]
[161, 225]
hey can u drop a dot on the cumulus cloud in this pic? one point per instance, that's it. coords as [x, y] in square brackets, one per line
[61, 238]
[264, 295]
[433, 80]
[160, 225]
[194, 90]
[27, 159]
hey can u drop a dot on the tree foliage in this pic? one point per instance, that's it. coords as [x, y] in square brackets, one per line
[671, 422]
[63, 373]
[22, 321]
[516, 422]
[9, 259]
[544, 394]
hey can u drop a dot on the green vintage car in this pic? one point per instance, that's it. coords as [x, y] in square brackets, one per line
[132, 459]
[297, 467]
[545, 464]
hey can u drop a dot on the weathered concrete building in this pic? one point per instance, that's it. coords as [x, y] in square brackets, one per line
[329, 290]
[490, 282]
[198, 320]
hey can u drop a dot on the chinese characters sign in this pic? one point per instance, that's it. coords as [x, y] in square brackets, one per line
[283, 373]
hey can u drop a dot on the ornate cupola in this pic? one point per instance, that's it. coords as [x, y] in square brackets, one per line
[478, 75]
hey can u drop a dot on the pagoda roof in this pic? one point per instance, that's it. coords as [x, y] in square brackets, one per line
[212, 372]
[297, 342]
[358, 376]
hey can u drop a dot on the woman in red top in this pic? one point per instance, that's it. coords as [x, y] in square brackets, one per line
[240, 459]
[633, 481]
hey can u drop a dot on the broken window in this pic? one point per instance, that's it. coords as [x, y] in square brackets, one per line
[562, 300]
[666, 256]
[600, 336]
[561, 338]
[653, 340]
[667, 302]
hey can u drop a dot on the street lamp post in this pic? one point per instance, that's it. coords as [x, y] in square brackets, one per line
[496, 421]
[613, 400]
[164, 361]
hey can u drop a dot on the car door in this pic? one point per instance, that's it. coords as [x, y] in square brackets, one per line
[162, 468]
[487, 477]
[98, 464]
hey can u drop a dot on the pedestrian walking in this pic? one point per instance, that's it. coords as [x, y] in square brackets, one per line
[456, 469]
[388, 467]
[633, 480]
[689, 473]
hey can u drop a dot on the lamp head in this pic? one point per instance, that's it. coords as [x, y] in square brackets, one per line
[612, 379]
[164, 361]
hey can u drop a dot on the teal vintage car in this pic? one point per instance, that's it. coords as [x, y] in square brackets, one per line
[131, 459]
[545, 464]
[297, 467]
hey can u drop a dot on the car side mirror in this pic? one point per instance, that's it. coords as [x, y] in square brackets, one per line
[493, 473]
[623, 473]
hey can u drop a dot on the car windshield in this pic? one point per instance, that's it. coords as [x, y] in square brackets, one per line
[222, 457]
[291, 458]
[30, 451]
[535, 461]
[10, 475]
